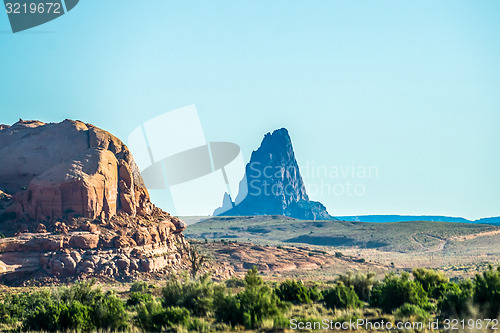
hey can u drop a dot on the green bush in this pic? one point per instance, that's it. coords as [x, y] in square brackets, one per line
[315, 294]
[136, 298]
[341, 297]
[252, 306]
[80, 308]
[199, 325]
[109, 313]
[394, 291]
[149, 316]
[487, 292]
[194, 295]
[361, 283]
[152, 317]
[13, 307]
[432, 281]
[294, 291]
[139, 287]
[235, 283]
[413, 312]
[227, 308]
[456, 299]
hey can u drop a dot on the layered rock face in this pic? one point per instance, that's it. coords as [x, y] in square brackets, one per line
[55, 170]
[121, 247]
[273, 184]
[70, 193]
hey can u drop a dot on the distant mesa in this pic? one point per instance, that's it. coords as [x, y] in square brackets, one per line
[273, 185]
[408, 218]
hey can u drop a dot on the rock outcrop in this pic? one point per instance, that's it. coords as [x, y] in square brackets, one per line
[69, 168]
[72, 202]
[122, 247]
[273, 184]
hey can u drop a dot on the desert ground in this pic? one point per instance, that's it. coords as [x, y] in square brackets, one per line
[282, 246]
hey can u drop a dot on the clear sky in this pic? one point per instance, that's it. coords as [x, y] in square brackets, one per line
[411, 88]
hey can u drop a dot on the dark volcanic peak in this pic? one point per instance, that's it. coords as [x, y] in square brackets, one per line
[274, 185]
[273, 171]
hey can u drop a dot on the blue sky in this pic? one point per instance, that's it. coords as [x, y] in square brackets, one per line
[412, 88]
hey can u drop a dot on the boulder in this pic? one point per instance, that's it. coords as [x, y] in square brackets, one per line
[124, 242]
[44, 244]
[165, 228]
[142, 237]
[88, 241]
[41, 228]
[180, 226]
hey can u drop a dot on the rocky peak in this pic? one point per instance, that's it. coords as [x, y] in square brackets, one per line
[274, 184]
[273, 171]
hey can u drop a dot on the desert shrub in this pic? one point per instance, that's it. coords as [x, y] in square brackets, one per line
[361, 283]
[109, 313]
[431, 280]
[136, 298]
[148, 316]
[413, 312]
[227, 309]
[339, 254]
[293, 291]
[250, 307]
[175, 316]
[341, 297]
[296, 292]
[139, 287]
[394, 291]
[80, 308]
[83, 292]
[199, 325]
[13, 306]
[456, 298]
[194, 295]
[487, 292]
[443, 289]
[235, 283]
[315, 294]
[152, 317]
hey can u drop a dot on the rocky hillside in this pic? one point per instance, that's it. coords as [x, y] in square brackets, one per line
[72, 202]
[273, 184]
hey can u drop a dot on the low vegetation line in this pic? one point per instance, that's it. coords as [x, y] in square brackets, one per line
[198, 304]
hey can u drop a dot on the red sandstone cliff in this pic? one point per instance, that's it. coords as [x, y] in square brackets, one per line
[54, 170]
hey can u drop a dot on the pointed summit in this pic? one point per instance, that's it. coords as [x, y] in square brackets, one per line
[273, 184]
